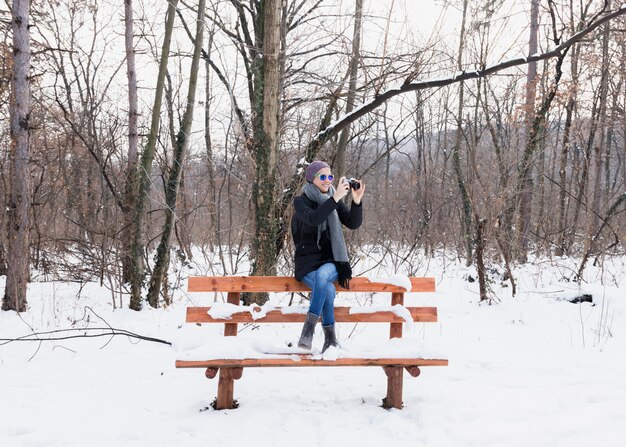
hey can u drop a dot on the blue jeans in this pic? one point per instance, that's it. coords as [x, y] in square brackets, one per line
[323, 292]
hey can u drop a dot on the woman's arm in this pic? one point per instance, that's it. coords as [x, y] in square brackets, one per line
[352, 217]
[310, 216]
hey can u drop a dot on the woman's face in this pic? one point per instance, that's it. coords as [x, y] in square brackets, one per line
[323, 185]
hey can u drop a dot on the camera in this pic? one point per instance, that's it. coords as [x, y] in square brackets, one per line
[354, 183]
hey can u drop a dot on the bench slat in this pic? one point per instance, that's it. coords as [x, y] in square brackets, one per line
[289, 284]
[342, 315]
[305, 360]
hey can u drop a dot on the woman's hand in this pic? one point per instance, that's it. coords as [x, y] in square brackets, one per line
[343, 188]
[357, 194]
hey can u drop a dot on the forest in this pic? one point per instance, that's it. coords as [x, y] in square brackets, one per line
[141, 135]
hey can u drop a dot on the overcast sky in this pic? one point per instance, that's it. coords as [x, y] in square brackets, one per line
[436, 20]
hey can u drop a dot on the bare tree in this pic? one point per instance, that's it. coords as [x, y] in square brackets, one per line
[145, 168]
[582, 204]
[600, 146]
[133, 138]
[532, 135]
[209, 142]
[466, 211]
[18, 274]
[159, 272]
[566, 145]
[266, 107]
[340, 161]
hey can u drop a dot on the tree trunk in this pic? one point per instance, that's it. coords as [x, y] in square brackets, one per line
[3, 259]
[623, 149]
[525, 184]
[531, 74]
[133, 142]
[466, 219]
[18, 274]
[183, 226]
[563, 228]
[480, 259]
[562, 245]
[340, 160]
[583, 178]
[266, 138]
[599, 148]
[212, 205]
[159, 273]
[145, 169]
[609, 185]
[532, 133]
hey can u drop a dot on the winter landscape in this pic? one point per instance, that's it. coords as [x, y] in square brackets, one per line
[147, 141]
[530, 370]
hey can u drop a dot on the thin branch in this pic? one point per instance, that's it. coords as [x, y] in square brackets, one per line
[334, 128]
[106, 332]
[238, 111]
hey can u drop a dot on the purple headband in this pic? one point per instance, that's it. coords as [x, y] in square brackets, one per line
[314, 168]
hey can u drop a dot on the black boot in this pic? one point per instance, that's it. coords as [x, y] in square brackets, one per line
[329, 337]
[306, 338]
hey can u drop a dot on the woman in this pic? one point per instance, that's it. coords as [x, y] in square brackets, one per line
[321, 256]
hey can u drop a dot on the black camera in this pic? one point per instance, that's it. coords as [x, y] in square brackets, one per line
[354, 183]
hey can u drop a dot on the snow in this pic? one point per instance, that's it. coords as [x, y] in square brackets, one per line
[265, 345]
[530, 370]
[395, 280]
[225, 311]
[397, 309]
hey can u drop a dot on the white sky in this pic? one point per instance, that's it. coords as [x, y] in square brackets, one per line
[430, 21]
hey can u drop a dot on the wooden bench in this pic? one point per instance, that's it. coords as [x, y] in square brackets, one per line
[232, 369]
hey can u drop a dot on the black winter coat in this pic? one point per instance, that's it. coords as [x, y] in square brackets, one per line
[307, 216]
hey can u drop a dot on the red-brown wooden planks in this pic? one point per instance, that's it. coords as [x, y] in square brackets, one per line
[305, 360]
[289, 284]
[395, 329]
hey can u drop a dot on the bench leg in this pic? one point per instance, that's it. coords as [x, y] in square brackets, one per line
[413, 370]
[226, 387]
[394, 387]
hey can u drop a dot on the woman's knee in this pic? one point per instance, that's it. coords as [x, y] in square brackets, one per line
[326, 273]
[321, 277]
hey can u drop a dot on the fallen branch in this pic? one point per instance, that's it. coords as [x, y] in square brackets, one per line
[86, 333]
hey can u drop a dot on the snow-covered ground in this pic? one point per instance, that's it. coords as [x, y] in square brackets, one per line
[534, 370]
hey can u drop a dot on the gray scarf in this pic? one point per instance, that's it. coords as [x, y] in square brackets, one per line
[337, 242]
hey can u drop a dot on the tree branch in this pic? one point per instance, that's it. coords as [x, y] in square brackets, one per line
[334, 128]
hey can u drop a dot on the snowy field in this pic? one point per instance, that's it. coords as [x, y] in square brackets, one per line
[534, 370]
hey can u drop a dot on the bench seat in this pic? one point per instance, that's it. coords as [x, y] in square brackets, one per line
[300, 360]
